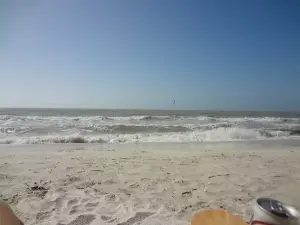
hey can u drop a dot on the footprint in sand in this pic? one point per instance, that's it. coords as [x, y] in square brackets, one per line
[74, 209]
[90, 206]
[139, 216]
[45, 215]
[59, 202]
[110, 197]
[72, 202]
[105, 218]
[80, 220]
[108, 219]
[135, 185]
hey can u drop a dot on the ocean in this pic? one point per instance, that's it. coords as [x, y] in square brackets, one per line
[38, 126]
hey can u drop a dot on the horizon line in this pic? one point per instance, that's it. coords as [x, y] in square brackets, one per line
[156, 109]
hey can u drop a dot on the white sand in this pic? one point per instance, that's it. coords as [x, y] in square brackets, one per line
[132, 184]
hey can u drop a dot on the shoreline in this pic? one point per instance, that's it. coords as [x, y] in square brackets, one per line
[246, 145]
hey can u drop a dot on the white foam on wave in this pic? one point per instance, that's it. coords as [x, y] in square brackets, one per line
[7, 130]
[52, 139]
[146, 128]
[220, 134]
[6, 120]
[254, 119]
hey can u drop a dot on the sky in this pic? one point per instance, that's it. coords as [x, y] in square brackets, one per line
[207, 55]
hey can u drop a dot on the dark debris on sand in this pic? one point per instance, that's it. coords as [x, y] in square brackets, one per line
[38, 189]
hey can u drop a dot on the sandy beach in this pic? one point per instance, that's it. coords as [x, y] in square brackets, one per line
[142, 184]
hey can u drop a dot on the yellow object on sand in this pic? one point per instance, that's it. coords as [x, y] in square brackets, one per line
[216, 217]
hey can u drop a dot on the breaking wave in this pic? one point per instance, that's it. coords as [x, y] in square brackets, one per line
[145, 128]
[215, 135]
[52, 139]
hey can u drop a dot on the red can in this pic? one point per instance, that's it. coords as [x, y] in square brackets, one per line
[267, 211]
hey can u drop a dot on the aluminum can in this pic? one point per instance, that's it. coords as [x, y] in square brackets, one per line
[267, 211]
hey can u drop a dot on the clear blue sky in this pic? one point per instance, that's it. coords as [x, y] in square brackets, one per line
[219, 54]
